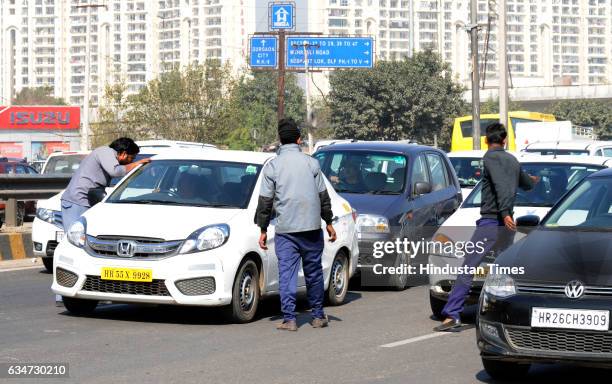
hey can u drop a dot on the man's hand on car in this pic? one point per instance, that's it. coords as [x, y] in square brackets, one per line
[331, 232]
[263, 238]
[509, 223]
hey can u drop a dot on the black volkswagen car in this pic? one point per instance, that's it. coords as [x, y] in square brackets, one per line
[399, 190]
[550, 297]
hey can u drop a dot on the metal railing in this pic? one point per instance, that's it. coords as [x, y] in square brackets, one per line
[15, 188]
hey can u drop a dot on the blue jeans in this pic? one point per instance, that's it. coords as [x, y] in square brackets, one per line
[492, 233]
[290, 248]
[71, 213]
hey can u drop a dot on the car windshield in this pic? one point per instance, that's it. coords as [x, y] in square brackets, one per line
[468, 170]
[66, 164]
[364, 172]
[139, 156]
[189, 182]
[555, 180]
[559, 152]
[589, 206]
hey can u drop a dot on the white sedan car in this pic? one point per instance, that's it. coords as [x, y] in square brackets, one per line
[558, 175]
[180, 230]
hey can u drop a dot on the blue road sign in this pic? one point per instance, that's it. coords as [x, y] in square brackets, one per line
[331, 52]
[282, 16]
[264, 52]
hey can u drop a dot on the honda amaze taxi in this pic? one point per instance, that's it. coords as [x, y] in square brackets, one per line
[180, 230]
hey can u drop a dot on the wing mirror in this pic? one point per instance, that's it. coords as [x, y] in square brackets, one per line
[421, 188]
[526, 224]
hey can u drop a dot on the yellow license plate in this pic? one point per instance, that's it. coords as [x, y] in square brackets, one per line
[482, 272]
[126, 274]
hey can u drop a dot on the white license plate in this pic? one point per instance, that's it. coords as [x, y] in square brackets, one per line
[59, 236]
[594, 320]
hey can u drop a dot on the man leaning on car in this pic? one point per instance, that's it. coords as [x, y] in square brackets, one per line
[293, 185]
[95, 173]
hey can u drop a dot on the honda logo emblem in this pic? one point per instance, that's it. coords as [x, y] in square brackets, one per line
[126, 248]
[574, 289]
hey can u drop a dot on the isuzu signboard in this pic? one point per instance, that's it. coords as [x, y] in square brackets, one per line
[35, 117]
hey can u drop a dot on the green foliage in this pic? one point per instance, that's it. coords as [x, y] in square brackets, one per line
[492, 106]
[37, 96]
[414, 98]
[587, 113]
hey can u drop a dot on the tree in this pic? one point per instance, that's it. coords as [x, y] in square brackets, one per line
[192, 104]
[492, 106]
[587, 113]
[256, 99]
[416, 98]
[37, 96]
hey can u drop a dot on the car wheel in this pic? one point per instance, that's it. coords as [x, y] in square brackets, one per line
[498, 369]
[48, 263]
[245, 293]
[436, 305]
[338, 280]
[79, 306]
[399, 281]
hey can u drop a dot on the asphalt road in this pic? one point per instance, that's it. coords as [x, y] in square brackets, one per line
[151, 344]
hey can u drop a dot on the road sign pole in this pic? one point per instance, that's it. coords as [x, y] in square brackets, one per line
[308, 119]
[475, 77]
[281, 75]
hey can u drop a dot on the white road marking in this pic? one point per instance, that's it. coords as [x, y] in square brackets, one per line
[21, 268]
[415, 339]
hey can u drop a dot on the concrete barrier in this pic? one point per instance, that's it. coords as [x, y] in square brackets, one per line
[15, 246]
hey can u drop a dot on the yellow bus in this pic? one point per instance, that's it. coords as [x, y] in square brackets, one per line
[462, 129]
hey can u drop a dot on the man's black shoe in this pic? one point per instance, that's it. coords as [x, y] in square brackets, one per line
[448, 325]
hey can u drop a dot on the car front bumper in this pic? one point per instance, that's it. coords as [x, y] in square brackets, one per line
[441, 283]
[504, 332]
[166, 273]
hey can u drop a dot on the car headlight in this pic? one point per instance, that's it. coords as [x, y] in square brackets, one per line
[47, 215]
[372, 224]
[76, 233]
[206, 238]
[500, 286]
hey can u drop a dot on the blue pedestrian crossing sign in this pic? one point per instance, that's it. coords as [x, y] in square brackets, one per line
[263, 52]
[282, 16]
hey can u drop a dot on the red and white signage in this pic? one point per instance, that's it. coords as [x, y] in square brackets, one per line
[34, 117]
[11, 149]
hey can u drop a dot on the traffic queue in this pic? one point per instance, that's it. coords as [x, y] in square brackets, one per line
[226, 229]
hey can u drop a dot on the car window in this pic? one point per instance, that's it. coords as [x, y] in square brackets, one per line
[588, 206]
[189, 182]
[419, 171]
[31, 170]
[20, 170]
[559, 152]
[438, 172]
[598, 152]
[364, 171]
[607, 152]
[467, 169]
[67, 164]
[555, 181]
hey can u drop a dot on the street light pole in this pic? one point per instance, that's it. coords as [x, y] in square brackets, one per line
[475, 76]
[85, 120]
[306, 45]
[503, 64]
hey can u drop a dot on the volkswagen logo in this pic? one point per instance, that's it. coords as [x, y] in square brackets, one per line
[126, 248]
[574, 289]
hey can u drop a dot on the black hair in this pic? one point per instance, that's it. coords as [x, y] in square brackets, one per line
[125, 144]
[288, 131]
[496, 133]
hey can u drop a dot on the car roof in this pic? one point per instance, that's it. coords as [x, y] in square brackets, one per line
[171, 144]
[383, 146]
[474, 153]
[603, 173]
[68, 153]
[525, 157]
[568, 144]
[225, 155]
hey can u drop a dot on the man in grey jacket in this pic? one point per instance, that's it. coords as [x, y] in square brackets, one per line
[95, 172]
[293, 185]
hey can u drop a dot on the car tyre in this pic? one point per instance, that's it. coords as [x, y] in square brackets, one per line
[498, 369]
[436, 305]
[79, 306]
[48, 263]
[245, 293]
[338, 280]
[399, 281]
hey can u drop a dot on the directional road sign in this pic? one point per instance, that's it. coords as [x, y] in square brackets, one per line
[264, 52]
[331, 52]
[282, 16]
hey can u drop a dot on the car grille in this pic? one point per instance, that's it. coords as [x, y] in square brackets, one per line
[197, 286]
[154, 288]
[146, 248]
[51, 245]
[560, 289]
[65, 278]
[562, 341]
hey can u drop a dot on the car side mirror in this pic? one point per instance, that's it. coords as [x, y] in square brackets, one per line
[421, 188]
[526, 224]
